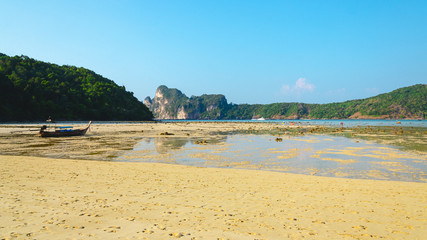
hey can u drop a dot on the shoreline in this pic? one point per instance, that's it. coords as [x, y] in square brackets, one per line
[47, 198]
[78, 198]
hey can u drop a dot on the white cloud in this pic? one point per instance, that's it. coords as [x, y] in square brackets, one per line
[301, 85]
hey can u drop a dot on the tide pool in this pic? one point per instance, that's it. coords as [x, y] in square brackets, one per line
[320, 155]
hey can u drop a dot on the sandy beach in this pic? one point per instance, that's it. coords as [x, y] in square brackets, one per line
[51, 198]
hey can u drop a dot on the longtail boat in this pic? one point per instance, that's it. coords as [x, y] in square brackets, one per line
[63, 131]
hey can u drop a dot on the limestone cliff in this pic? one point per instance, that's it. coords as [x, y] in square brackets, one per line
[171, 103]
[148, 102]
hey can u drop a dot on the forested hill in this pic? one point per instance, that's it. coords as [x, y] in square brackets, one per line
[403, 103]
[34, 90]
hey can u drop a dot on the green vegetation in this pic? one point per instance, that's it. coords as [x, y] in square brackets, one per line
[408, 102]
[34, 90]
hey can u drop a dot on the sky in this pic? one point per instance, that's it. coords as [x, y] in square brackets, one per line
[250, 51]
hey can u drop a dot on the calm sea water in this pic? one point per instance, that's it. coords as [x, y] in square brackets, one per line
[334, 123]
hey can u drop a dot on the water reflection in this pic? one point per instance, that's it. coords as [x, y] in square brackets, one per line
[320, 155]
[164, 145]
[313, 154]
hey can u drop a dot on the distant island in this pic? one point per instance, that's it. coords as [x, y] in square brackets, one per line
[32, 90]
[403, 103]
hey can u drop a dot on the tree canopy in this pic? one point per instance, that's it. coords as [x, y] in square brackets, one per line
[34, 90]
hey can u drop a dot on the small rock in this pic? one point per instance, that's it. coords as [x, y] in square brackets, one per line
[166, 133]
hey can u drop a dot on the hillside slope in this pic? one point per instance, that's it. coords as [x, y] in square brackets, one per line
[34, 90]
[403, 103]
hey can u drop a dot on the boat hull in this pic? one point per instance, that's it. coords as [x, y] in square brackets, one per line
[71, 133]
[65, 133]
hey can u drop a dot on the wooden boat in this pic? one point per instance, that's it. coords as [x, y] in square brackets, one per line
[63, 132]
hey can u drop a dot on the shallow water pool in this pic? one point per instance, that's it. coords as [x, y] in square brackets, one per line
[320, 155]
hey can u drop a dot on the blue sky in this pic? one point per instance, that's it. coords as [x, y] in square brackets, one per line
[250, 51]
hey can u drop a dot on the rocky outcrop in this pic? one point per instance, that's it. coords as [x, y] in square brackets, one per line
[171, 103]
[148, 102]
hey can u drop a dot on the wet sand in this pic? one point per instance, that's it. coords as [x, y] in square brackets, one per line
[252, 145]
[49, 198]
[107, 141]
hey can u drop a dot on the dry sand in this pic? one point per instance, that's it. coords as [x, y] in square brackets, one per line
[45, 198]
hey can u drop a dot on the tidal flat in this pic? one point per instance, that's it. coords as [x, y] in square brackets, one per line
[381, 152]
[211, 181]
